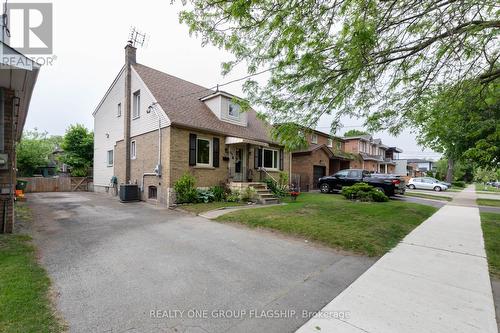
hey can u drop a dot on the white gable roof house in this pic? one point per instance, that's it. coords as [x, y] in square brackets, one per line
[151, 128]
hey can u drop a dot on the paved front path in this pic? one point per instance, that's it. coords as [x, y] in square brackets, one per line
[435, 280]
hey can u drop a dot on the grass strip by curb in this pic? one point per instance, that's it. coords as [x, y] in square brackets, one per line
[490, 223]
[428, 196]
[488, 202]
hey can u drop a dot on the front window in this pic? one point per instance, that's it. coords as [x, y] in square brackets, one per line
[110, 158]
[203, 151]
[137, 104]
[330, 143]
[314, 138]
[234, 110]
[270, 160]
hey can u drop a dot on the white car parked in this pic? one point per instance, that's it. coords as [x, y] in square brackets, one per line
[426, 183]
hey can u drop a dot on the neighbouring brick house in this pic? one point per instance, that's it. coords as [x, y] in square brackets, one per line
[372, 154]
[324, 155]
[18, 75]
[151, 128]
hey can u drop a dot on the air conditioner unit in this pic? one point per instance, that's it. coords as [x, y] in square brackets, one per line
[129, 193]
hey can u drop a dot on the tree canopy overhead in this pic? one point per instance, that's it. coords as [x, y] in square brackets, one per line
[367, 58]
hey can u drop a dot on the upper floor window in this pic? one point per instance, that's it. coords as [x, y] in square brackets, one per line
[119, 110]
[133, 149]
[110, 158]
[233, 111]
[136, 104]
[314, 138]
[203, 148]
[330, 143]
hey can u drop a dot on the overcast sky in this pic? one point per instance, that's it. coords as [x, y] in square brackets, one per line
[89, 37]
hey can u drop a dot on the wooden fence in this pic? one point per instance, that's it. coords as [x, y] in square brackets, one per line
[59, 184]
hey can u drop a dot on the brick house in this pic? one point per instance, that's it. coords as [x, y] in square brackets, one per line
[372, 154]
[151, 128]
[324, 155]
[18, 75]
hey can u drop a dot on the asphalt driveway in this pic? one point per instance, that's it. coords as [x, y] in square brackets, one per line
[139, 268]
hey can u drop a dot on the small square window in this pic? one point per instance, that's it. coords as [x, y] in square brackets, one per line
[314, 138]
[119, 110]
[137, 104]
[133, 150]
[110, 158]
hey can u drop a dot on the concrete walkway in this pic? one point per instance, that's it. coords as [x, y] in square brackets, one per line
[213, 214]
[435, 280]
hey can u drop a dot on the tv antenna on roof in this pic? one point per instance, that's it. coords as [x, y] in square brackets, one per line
[137, 38]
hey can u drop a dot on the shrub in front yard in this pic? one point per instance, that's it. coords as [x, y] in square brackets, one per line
[234, 196]
[219, 193]
[249, 194]
[363, 192]
[185, 189]
[205, 196]
[458, 183]
[278, 189]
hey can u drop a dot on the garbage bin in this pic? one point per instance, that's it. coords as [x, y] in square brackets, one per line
[21, 185]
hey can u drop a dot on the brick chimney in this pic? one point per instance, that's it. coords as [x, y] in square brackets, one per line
[130, 59]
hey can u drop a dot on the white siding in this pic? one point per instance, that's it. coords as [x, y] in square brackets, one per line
[214, 104]
[146, 122]
[106, 122]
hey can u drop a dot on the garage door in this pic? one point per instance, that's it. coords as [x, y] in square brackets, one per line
[318, 172]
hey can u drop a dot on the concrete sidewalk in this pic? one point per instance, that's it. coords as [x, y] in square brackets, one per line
[435, 280]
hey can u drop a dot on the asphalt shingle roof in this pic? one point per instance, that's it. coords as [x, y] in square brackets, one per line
[180, 100]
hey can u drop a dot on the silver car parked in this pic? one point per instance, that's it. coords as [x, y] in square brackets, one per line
[426, 183]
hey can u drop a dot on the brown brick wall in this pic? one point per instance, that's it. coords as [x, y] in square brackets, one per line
[145, 162]
[351, 146]
[179, 152]
[303, 165]
[206, 177]
[7, 176]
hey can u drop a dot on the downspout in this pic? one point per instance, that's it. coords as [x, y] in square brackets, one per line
[157, 170]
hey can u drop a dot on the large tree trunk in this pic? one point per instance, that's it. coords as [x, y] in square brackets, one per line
[449, 172]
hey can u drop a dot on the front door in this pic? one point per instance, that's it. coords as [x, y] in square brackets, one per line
[318, 172]
[239, 164]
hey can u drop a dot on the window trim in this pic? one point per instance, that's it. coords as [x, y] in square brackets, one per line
[133, 149]
[314, 138]
[119, 110]
[210, 151]
[274, 152]
[107, 157]
[136, 104]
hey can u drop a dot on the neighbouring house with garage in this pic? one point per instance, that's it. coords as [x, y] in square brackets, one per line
[151, 127]
[18, 75]
[371, 154]
[323, 155]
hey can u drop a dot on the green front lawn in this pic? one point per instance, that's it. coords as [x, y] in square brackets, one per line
[488, 202]
[24, 288]
[365, 228]
[490, 223]
[481, 187]
[205, 207]
[428, 196]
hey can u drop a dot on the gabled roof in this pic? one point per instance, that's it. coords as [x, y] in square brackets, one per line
[181, 102]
